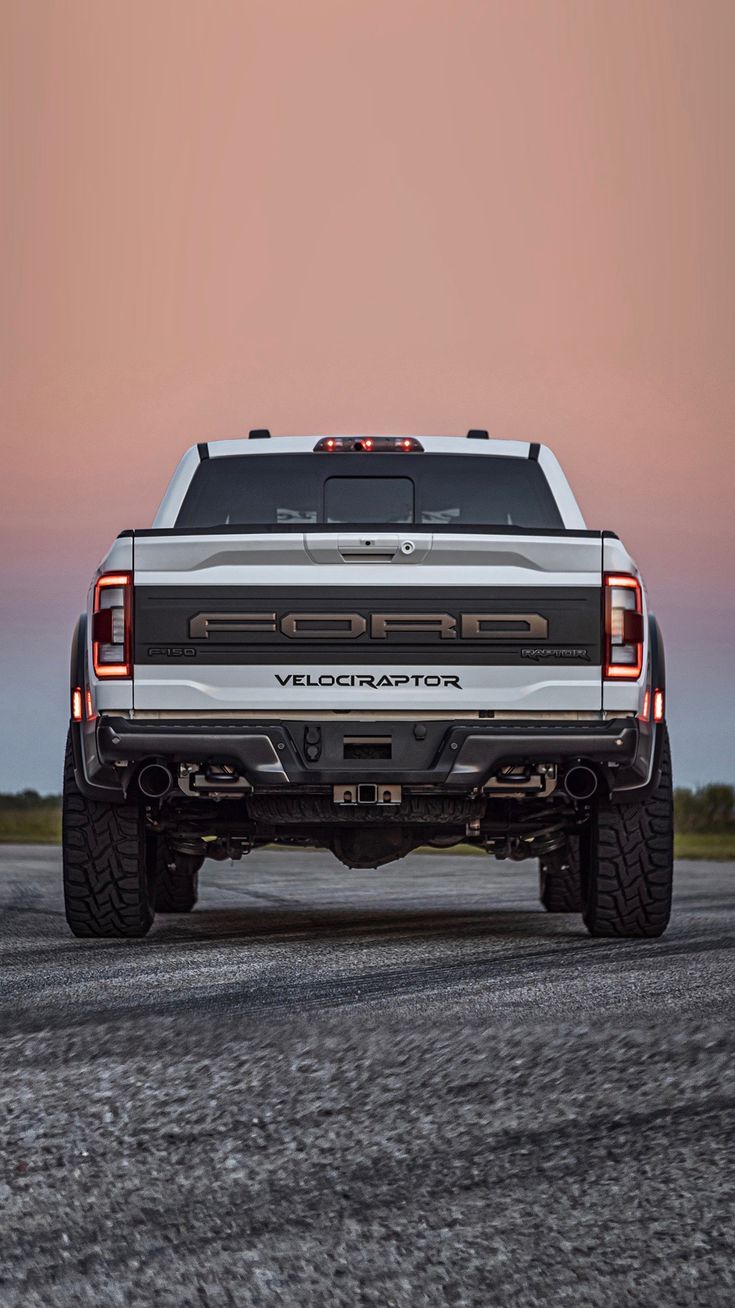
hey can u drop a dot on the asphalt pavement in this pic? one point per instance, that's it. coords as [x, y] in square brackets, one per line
[402, 1087]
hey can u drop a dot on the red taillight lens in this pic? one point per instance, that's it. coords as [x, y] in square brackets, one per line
[623, 626]
[643, 715]
[112, 625]
[658, 706]
[76, 704]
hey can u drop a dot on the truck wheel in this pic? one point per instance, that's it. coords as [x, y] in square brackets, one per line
[560, 879]
[631, 865]
[177, 884]
[107, 860]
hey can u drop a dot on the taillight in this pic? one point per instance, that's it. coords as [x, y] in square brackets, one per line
[112, 625]
[76, 704]
[623, 626]
[658, 706]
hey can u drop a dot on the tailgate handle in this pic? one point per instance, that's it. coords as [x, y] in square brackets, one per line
[368, 548]
[380, 548]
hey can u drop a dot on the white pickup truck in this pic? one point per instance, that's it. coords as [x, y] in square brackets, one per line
[368, 644]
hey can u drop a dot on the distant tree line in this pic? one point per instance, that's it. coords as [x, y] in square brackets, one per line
[708, 808]
[28, 801]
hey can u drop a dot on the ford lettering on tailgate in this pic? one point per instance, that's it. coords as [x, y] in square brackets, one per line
[378, 626]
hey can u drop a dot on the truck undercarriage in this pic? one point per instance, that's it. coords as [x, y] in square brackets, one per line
[369, 790]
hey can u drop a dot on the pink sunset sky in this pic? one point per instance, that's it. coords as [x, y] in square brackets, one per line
[385, 216]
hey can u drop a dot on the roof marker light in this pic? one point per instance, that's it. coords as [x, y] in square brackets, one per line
[362, 444]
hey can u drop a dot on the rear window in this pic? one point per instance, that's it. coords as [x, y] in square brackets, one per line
[433, 490]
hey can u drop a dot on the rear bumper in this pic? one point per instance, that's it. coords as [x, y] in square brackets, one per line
[454, 757]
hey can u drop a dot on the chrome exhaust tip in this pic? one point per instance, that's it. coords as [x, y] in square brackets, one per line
[155, 780]
[580, 782]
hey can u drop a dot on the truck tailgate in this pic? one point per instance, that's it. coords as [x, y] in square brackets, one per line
[400, 620]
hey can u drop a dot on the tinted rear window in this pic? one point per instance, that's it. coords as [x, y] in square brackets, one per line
[434, 490]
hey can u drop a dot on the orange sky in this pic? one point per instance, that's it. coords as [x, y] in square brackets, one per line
[384, 215]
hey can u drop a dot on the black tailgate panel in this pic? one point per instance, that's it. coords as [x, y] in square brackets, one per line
[339, 624]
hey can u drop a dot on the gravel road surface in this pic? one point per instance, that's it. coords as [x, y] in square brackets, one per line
[403, 1087]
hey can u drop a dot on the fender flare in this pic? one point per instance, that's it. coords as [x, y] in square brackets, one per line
[657, 660]
[77, 678]
[656, 680]
[112, 792]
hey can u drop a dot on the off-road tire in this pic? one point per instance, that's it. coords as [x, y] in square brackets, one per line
[629, 875]
[177, 884]
[560, 879]
[107, 860]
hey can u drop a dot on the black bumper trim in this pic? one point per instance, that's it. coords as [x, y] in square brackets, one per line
[456, 757]
[482, 752]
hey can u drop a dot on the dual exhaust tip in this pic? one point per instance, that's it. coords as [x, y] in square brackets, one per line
[580, 782]
[155, 780]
